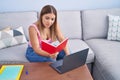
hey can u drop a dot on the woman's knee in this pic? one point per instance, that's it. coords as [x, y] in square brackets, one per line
[61, 55]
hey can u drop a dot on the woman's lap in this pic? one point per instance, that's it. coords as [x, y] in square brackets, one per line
[33, 57]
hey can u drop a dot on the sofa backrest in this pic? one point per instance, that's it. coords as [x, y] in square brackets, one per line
[70, 23]
[17, 19]
[95, 22]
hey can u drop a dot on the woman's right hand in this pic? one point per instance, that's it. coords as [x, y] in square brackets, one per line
[54, 55]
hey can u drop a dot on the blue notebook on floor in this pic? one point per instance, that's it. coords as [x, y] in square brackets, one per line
[11, 72]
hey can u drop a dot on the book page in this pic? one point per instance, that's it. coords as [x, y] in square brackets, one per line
[55, 43]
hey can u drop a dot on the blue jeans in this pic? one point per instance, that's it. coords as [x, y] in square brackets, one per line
[34, 57]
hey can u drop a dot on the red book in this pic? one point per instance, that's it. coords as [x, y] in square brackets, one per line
[53, 48]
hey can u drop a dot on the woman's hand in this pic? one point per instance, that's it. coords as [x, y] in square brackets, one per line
[54, 55]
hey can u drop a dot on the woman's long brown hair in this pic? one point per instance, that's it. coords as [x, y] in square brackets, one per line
[45, 10]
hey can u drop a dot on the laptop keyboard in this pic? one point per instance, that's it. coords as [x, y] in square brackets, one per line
[59, 67]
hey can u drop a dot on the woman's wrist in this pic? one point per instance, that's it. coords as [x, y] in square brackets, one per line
[67, 53]
[48, 55]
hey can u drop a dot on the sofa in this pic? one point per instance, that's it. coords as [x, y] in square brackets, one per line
[85, 29]
[95, 24]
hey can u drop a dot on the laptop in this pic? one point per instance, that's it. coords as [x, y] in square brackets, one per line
[70, 62]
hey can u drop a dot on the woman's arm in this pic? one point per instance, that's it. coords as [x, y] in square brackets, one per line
[61, 38]
[35, 42]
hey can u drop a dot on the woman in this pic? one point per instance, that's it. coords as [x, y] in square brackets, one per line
[46, 28]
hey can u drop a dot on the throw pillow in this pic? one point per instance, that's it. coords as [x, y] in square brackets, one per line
[12, 37]
[114, 28]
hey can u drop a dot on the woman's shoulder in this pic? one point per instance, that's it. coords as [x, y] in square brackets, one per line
[33, 25]
[31, 28]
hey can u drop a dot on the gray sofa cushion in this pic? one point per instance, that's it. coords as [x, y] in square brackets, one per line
[77, 45]
[15, 54]
[107, 59]
[95, 22]
[70, 23]
[17, 19]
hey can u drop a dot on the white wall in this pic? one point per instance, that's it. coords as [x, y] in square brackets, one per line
[26, 5]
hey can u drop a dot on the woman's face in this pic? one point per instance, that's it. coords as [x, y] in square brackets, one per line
[48, 19]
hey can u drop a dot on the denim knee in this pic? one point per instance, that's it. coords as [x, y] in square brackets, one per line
[34, 57]
[60, 55]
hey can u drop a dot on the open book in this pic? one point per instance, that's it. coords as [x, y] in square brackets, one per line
[54, 46]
